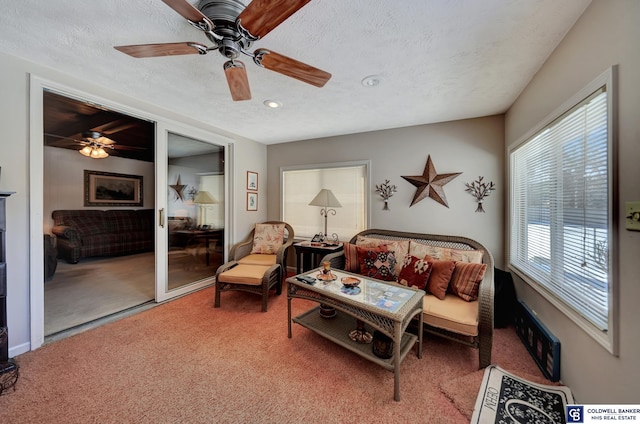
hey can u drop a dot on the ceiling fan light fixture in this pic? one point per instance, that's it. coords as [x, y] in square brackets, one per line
[272, 104]
[93, 151]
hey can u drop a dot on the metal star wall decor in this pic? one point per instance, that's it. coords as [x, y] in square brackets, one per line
[178, 187]
[430, 183]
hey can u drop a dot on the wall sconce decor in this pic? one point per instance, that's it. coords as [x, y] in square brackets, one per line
[480, 190]
[386, 191]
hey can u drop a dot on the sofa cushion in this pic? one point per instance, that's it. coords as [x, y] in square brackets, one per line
[123, 221]
[420, 250]
[452, 313]
[415, 272]
[88, 225]
[258, 259]
[400, 247]
[268, 238]
[440, 276]
[466, 279]
[244, 274]
[377, 262]
[351, 262]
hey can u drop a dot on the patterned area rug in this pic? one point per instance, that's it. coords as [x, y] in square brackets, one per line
[507, 398]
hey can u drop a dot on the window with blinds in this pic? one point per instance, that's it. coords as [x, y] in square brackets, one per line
[349, 183]
[560, 209]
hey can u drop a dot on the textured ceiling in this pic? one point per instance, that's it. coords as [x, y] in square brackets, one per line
[438, 60]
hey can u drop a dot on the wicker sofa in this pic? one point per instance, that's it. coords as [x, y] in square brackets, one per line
[467, 322]
[86, 232]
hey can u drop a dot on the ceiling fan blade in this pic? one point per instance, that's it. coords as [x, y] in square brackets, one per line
[237, 80]
[163, 49]
[189, 12]
[291, 67]
[261, 16]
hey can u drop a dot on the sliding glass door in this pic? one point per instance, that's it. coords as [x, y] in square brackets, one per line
[191, 199]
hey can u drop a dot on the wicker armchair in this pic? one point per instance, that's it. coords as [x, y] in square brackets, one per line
[254, 272]
[483, 337]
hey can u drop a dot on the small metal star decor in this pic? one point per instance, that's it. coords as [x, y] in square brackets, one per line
[430, 183]
[480, 190]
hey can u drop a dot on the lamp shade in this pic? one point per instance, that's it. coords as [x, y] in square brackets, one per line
[204, 198]
[325, 198]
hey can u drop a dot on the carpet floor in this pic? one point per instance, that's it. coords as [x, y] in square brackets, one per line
[187, 362]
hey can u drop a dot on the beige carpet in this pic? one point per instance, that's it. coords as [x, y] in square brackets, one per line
[187, 362]
[98, 287]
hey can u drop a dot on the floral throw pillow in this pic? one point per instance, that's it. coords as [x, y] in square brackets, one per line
[377, 263]
[415, 272]
[268, 238]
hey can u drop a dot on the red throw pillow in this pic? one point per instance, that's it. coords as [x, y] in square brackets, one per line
[377, 263]
[466, 279]
[441, 273]
[415, 272]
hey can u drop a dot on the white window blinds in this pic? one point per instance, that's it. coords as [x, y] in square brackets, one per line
[347, 182]
[560, 212]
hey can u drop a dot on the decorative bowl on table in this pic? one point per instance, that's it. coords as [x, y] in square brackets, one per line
[350, 281]
[326, 277]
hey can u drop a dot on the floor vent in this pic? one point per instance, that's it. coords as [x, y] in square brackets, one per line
[541, 344]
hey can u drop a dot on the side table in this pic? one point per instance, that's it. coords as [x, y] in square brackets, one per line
[308, 255]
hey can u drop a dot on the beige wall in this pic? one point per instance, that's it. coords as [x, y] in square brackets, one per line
[14, 160]
[473, 147]
[607, 34]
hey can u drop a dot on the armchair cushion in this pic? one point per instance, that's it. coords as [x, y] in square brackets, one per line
[268, 238]
[258, 259]
[244, 274]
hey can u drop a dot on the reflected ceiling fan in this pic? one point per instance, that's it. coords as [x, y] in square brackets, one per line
[232, 28]
[93, 144]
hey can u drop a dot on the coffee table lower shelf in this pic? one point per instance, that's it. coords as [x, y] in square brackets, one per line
[337, 330]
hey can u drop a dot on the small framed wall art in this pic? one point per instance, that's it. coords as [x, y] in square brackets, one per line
[252, 181]
[252, 201]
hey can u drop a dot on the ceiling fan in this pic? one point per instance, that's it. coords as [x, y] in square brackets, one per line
[232, 28]
[93, 144]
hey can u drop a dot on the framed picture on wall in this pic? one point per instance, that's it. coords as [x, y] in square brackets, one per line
[111, 189]
[252, 201]
[252, 181]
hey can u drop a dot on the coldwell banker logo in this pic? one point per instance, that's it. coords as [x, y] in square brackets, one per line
[575, 414]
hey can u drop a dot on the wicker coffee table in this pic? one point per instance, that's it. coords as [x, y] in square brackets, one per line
[380, 305]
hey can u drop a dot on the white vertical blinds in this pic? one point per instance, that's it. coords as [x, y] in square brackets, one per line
[560, 208]
[300, 186]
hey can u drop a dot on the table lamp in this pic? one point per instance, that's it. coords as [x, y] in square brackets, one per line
[326, 199]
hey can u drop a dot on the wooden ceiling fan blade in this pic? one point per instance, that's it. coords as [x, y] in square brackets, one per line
[163, 49]
[291, 67]
[237, 80]
[261, 16]
[115, 126]
[189, 12]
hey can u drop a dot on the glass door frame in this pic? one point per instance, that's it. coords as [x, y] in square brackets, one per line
[162, 235]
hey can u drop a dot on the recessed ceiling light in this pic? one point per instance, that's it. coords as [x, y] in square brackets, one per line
[272, 104]
[371, 81]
